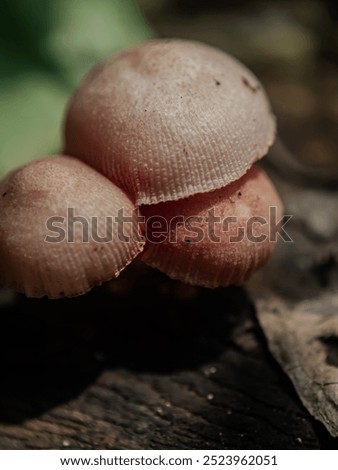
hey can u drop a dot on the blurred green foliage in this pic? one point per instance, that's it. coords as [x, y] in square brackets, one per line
[46, 46]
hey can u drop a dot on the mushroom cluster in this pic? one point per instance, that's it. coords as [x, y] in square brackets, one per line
[171, 128]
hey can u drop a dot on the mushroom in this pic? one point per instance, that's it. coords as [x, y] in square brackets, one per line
[217, 238]
[172, 122]
[168, 119]
[173, 127]
[41, 254]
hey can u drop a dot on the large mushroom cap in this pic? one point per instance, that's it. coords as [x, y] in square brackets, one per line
[168, 119]
[215, 239]
[40, 200]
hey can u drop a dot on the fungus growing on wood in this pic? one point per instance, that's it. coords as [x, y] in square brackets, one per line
[173, 127]
[40, 253]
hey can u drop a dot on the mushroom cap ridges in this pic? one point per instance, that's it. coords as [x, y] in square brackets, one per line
[168, 119]
[47, 188]
[210, 258]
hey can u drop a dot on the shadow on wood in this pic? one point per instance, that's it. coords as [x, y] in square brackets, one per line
[52, 350]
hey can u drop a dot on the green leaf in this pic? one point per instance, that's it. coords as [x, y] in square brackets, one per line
[31, 112]
[86, 31]
[46, 48]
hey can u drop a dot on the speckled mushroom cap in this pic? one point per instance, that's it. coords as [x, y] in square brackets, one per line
[168, 119]
[71, 264]
[215, 239]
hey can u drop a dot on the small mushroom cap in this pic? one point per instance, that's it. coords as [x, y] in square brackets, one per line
[168, 119]
[35, 201]
[200, 250]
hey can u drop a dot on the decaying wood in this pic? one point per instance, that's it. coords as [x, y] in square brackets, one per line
[144, 363]
[296, 298]
[304, 339]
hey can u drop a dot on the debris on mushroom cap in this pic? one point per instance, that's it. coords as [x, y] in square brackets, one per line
[29, 199]
[169, 119]
[186, 244]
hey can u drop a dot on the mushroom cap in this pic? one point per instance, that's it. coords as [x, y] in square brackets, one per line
[65, 265]
[204, 252]
[168, 119]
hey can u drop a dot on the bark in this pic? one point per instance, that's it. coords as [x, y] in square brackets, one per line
[145, 363]
[296, 297]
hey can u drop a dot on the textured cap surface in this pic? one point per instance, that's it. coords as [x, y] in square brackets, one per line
[75, 257]
[215, 239]
[168, 119]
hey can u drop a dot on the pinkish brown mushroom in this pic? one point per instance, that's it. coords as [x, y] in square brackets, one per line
[168, 119]
[177, 125]
[218, 238]
[177, 120]
[39, 255]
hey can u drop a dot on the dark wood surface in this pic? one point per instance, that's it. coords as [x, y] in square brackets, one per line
[145, 363]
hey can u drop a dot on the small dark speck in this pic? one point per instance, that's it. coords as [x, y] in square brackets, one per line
[217, 82]
[187, 240]
[4, 194]
[239, 194]
[145, 110]
[253, 88]
[181, 97]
